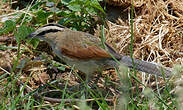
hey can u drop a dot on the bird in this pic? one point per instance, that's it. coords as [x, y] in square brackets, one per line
[87, 53]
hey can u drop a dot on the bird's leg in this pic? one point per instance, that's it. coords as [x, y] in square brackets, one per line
[83, 84]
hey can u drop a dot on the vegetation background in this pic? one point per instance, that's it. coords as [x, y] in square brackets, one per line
[32, 77]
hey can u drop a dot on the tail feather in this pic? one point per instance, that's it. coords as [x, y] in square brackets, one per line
[146, 67]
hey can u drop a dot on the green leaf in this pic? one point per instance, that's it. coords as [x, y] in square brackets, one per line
[34, 42]
[62, 68]
[65, 2]
[9, 26]
[41, 16]
[58, 66]
[50, 4]
[63, 13]
[63, 21]
[74, 6]
[36, 5]
[22, 32]
[96, 5]
[53, 9]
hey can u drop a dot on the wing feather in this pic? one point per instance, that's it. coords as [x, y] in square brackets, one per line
[81, 45]
[90, 52]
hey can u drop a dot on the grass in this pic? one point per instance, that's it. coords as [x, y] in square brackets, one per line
[46, 83]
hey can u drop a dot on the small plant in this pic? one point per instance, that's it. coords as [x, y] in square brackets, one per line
[80, 15]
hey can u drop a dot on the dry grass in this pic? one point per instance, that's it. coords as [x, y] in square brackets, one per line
[158, 32]
[158, 35]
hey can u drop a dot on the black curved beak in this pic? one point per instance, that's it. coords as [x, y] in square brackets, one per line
[31, 35]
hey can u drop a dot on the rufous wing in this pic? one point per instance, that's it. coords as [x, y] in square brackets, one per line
[89, 52]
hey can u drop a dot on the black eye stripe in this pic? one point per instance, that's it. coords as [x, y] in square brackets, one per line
[47, 31]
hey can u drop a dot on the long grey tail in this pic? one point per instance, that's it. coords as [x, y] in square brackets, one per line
[146, 67]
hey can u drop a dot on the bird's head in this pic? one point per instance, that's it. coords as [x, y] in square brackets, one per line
[43, 33]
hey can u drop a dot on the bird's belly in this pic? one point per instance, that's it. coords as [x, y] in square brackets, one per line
[87, 66]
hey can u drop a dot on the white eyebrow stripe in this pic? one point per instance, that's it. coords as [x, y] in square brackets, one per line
[48, 28]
